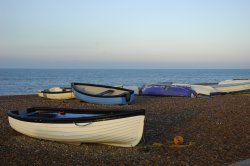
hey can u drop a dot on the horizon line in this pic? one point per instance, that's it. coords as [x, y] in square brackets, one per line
[130, 68]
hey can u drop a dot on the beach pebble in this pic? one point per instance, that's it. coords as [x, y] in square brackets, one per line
[217, 128]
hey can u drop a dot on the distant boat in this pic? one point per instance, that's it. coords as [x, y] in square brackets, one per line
[232, 88]
[201, 89]
[221, 88]
[168, 90]
[235, 81]
[111, 127]
[102, 94]
[57, 93]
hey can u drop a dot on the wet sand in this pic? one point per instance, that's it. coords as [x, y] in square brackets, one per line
[218, 127]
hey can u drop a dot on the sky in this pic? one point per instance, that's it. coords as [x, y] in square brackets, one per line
[125, 34]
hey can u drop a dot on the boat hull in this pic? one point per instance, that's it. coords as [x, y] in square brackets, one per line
[182, 91]
[98, 100]
[123, 132]
[232, 88]
[93, 93]
[235, 81]
[57, 96]
[203, 90]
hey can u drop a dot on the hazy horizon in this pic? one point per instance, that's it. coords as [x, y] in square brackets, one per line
[195, 34]
[11, 68]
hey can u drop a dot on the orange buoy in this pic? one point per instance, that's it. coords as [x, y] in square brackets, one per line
[178, 140]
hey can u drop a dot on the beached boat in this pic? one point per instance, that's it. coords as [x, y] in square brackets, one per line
[202, 89]
[57, 93]
[102, 94]
[161, 90]
[235, 81]
[231, 88]
[111, 127]
[213, 89]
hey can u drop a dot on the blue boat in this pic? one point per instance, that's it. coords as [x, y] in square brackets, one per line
[161, 90]
[102, 94]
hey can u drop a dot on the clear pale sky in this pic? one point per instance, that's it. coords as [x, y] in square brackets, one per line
[125, 34]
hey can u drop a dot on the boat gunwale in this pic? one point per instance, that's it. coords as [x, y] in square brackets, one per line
[109, 114]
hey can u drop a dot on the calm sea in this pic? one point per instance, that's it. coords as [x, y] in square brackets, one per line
[28, 81]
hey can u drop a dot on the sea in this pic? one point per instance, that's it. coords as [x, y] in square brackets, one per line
[29, 81]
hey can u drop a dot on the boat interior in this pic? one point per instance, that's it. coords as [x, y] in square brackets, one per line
[61, 90]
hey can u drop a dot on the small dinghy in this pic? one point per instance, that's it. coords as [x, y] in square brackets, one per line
[111, 127]
[102, 94]
[57, 93]
[161, 90]
[231, 88]
[201, 89]
[235, 81]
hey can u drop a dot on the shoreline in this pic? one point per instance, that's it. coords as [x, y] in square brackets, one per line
[217, 126]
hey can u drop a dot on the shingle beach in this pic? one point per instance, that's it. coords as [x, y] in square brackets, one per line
[216, 131]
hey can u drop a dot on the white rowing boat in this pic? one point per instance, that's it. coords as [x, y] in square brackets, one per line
[57, 93]
[111, 127]
[235, 81]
